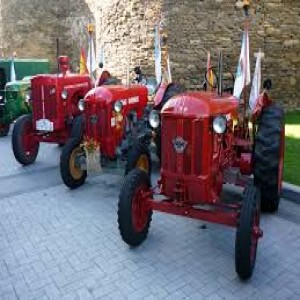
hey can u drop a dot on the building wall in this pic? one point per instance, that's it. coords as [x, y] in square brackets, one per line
[125, 28]
[31, 27]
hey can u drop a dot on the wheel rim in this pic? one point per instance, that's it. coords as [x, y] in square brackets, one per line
[29, 142]
[256, 234]
[143, 163]
[139, 209]
[281, 159]
[75, 171]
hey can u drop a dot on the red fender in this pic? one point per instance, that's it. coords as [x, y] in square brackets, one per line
[263, 101]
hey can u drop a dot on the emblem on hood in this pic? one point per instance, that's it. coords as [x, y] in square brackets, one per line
[179, 144]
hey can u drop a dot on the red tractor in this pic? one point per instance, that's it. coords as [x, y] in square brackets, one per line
[116, 118]
[205, 144]
[56, 116]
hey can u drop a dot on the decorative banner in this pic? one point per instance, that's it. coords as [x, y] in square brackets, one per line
[256, 83]
[82, 65]
[157, 54]
[210, 75]
[13, 76]
[91, 59]
[243, 77]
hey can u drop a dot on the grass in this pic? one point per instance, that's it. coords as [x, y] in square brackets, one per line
[292, 148]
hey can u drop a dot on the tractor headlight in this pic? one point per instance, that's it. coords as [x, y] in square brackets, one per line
[154, 119]
[81, 105]
[118, 106]
[64, 94]
[220, 124]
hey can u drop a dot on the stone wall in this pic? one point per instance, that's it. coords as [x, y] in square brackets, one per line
[31, 27]
[195, 27]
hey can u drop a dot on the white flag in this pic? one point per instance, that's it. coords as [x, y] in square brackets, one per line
[157, 54]
[91, 58]
[256, 83]
[13, 76]
[243, 77]
[102, 56]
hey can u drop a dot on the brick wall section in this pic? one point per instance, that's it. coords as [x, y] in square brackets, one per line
[31, 27]
[125, 29]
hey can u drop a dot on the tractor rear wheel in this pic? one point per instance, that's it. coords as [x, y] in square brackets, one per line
[139, 157]
[172, 90]
[4, 129]
[134, 215]
[268, 157]
[24, 143]
[71, 173]
[248, 232]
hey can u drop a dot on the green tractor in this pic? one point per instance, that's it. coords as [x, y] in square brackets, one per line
[15, 96]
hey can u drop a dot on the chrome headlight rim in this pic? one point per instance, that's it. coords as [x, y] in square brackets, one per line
[118, 106]
[81, 105]
[64, 95]
[220, 124]
[154, 119]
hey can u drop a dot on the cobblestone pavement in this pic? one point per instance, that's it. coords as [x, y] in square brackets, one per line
[61, 244]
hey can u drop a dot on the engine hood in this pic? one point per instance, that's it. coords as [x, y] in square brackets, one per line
[111, 93]
[200, 105]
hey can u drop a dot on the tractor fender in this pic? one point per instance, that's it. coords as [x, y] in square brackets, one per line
[78, 128]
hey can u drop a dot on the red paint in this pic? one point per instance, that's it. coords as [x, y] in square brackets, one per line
[103, 124]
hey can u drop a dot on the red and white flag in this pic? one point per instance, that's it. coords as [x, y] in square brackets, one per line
[256, 83]
[243, 77]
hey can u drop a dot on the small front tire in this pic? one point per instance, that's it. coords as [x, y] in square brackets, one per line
[134, 214]
[71, 173]
[248, 232]
[24, 143]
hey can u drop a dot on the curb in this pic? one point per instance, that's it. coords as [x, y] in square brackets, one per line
[291, 192]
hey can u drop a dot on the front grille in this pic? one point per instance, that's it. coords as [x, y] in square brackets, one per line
[96, 123]
[44, 99]
[191, 131]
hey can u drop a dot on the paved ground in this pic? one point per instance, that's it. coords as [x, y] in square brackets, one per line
[61, 244]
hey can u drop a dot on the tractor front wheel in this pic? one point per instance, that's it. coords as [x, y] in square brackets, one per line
[24, 143]
[134, 214]
[248, 232]
[71, 173]
[139, 157]
[4, 129]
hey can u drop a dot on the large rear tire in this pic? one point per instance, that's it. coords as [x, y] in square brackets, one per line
[268, 157]
[248, 232]
[24, 143]
[139, 157]
[134, 215]
[4, 129]
[71, 173]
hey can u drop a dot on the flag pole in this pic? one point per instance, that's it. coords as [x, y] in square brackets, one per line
[91, 30]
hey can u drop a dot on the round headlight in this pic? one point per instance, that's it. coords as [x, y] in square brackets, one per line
[118, 106]
[81, 105]
[154, 119]
[219, 124]
[64, 95]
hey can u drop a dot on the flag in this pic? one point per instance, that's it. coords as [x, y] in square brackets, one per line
[256, 83]
[243, 77]
[157, 54]
[169, 69]
[102, 56]
[83, 67]
[210, 75]
[13, 76]
[91, 58]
